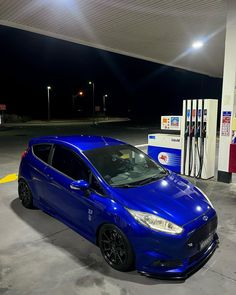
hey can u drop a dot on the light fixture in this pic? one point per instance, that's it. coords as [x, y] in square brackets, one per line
[49, 87]
[197, 44]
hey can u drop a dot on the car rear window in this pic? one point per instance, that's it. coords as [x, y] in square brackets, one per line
[67, 162]
[42, 151]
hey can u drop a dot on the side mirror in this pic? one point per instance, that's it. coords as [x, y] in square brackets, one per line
[79, 185]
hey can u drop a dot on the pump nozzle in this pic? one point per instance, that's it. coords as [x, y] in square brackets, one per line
[198, 130]
[191, 130]
[204, 130]
[186, 132]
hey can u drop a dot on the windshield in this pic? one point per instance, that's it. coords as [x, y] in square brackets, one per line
[125, 166]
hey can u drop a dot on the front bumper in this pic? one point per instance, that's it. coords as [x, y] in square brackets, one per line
[176, 257]
[188, 268]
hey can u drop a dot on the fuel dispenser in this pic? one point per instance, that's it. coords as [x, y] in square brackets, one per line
[198, 138]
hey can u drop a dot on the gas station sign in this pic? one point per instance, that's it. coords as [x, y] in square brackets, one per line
[171, 122]
[225, 125]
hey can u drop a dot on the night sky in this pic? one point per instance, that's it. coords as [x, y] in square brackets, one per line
[141, 89]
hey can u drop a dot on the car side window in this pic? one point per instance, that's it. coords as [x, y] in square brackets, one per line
[67, 162]
[42, 151]
[95, 185]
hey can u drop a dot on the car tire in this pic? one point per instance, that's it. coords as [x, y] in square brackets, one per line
[25, 194]
[116, 248]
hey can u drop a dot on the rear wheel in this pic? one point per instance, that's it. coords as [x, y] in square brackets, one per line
[116, 248]
[25, 194]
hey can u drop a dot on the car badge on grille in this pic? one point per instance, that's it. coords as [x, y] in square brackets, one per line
[205, 218]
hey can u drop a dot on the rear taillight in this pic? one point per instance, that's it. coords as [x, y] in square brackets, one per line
[25, 153]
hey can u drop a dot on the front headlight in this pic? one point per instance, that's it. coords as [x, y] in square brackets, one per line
[155, 222]
[206, 197]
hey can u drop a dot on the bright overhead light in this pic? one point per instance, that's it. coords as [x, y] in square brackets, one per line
[197, 44]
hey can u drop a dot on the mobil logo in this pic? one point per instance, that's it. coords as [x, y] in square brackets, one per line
[163, 158]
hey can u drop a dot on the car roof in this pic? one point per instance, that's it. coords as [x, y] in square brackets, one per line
[82, 142]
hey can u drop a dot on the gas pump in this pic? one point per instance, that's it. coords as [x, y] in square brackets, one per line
[198, 138]
[191, 153]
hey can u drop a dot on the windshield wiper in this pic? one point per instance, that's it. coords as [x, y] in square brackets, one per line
[125, 185]
[152, 178]
[144, 181]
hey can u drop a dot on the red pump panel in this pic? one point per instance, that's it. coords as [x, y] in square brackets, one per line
[232, 158]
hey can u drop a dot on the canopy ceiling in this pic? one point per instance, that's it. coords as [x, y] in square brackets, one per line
[154, 30]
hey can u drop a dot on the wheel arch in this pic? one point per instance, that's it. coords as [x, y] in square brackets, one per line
[118, 223]
[99, 228]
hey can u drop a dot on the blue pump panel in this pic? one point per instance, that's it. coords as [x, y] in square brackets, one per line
[167, 157]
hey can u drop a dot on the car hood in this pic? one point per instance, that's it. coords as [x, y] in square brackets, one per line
[171, 197]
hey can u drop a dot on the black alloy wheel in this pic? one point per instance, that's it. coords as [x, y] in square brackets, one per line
[116, 248]
[25, 194]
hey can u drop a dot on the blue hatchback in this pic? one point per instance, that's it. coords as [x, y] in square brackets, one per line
[141, 215]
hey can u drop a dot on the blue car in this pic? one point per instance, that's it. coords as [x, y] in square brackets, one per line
[141, 215]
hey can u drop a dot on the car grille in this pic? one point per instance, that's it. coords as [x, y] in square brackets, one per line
[199, 254]
[203, 232]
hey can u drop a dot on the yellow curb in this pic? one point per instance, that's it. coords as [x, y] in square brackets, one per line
[9, 178]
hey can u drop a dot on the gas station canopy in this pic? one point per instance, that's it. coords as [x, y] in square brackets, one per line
[156, 30]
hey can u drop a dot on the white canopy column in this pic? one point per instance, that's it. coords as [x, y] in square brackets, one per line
[228, 94]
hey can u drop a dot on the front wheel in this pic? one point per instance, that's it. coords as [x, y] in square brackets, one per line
[25, 194]
[116, 248]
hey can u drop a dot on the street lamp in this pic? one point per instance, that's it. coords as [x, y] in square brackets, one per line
[92, 83]
[104, 102]
[48, 89]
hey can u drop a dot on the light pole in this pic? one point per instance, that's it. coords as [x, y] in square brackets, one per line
[104, 102]
[80, 93]
[92, 83]
[48, 89]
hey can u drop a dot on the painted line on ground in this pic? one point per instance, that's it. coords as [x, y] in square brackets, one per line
[9, 178]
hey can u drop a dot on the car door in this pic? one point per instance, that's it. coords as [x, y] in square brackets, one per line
[38, 163]
[72, 206]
